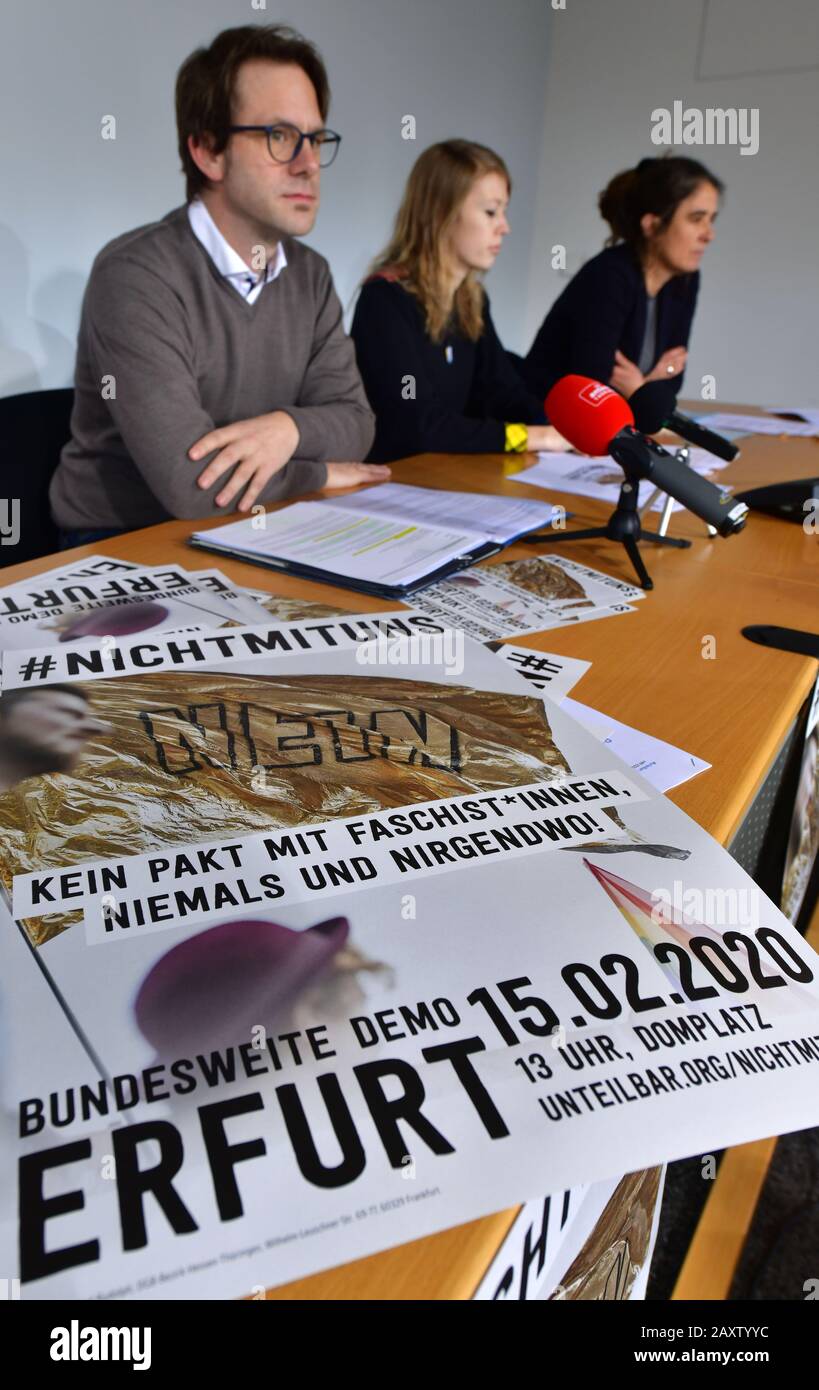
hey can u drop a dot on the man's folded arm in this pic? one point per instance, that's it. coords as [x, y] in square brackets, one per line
[332, 414]
[137, 335]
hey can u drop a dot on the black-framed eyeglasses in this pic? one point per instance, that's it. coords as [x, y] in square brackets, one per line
[286, 142]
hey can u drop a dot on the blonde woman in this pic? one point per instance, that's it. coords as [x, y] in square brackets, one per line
[434, 370]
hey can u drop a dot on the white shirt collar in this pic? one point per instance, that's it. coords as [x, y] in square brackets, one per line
[228, 262]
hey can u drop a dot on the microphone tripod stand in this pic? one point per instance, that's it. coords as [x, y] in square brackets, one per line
[624, 524]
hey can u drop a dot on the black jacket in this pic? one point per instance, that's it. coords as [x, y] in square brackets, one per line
[603, 308]
[465, 393]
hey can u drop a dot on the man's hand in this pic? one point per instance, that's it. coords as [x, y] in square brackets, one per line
[674, 359]
[348, 474]
[255, 449]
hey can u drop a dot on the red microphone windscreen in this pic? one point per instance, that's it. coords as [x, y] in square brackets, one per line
[588, 413]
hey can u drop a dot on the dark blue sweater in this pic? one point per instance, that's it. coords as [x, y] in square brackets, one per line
[465, 393]
[603, 308]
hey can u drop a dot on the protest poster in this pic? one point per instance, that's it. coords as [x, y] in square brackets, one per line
[517, 597]
[48, 611]
[802, 851]
[587, 1243]
[548, 671]
[352, 950]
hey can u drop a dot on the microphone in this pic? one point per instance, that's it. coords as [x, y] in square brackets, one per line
[587, 413]
[717, 508]
[654, 405]
[597, 420]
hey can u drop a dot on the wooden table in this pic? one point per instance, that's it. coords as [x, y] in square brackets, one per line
[651, 669]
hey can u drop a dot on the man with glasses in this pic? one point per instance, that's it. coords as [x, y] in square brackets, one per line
[213, 370]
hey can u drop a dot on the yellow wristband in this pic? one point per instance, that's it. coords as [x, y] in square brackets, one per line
[517, 439]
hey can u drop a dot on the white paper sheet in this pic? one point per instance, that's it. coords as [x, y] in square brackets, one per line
[547, 671]
[760, 424]
[491, 516]
[809, 413]
[375, 549]
[661, 763]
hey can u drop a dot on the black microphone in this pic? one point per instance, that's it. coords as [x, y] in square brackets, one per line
[719, 509]
[654, 406]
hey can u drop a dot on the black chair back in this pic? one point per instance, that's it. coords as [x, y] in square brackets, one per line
[33, 429]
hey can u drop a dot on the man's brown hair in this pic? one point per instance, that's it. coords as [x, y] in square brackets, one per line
[206, 85]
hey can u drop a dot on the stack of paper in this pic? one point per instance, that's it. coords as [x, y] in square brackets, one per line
[412, 943]
[522, 596]
[389, 540]
[103, 598]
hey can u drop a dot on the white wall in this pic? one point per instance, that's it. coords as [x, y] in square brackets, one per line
[476, 68]
[471, 68]
[611, 64]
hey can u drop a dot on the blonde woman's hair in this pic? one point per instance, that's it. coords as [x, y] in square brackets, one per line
[440, 181]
